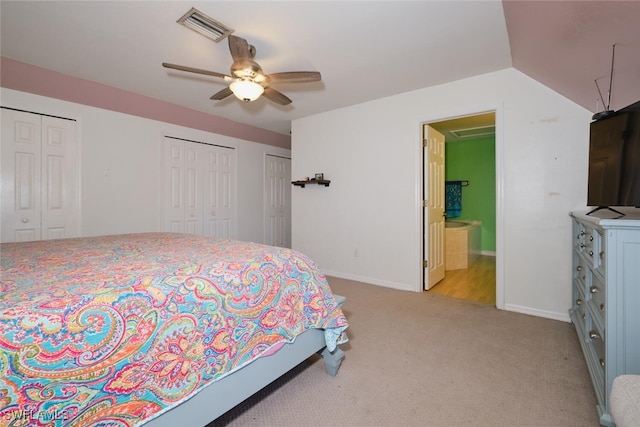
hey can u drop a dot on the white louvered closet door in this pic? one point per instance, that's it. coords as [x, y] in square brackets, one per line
[40, 177]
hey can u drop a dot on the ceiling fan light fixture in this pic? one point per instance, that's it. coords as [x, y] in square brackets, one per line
[246, 90]
[205, 25]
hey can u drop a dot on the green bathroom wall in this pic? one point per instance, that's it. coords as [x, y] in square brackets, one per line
[474, 161]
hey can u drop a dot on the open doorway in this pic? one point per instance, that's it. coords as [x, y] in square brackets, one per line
[470, 234]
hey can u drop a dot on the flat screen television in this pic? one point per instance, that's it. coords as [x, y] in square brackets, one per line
[614, 160]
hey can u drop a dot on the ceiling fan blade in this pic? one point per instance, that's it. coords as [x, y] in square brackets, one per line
[194, 70]
[239, 48]
[295, 77]
[275, 96]
[222, 94]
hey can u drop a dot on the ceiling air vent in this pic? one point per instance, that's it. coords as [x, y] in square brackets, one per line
[201, 23]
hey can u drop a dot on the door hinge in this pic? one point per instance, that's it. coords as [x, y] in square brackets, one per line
[425, 203]
[425, 264]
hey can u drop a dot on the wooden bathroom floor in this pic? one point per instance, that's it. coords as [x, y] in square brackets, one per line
[476, 283]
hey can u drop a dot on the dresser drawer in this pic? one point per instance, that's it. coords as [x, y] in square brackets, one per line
[597, 343]
[580, 269]
[596, 301]
[580, 315]
[595, 353]
[584, 238]
[597, 292]
[579, 295]
[599, 248]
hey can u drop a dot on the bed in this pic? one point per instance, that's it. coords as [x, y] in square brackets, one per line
[154, 329]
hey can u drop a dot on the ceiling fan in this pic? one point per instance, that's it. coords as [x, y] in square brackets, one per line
[247, 80]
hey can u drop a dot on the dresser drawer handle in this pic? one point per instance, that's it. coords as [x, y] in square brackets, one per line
[590, 253]
[578, 301]
[601, 362]
[579, 268]
[594, 335]
[602, 307]
[594, 290]
[591, 238]
[601, 254]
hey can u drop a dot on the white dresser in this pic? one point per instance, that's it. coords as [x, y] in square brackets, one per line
[606, 297]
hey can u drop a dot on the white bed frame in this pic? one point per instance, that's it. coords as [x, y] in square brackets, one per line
[221, 396]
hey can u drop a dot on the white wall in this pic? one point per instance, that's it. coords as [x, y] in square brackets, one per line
[371, 153]
[121, 167]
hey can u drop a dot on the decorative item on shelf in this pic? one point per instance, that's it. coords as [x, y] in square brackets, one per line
[318, 179]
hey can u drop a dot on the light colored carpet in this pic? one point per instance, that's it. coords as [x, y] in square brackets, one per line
[419, 359]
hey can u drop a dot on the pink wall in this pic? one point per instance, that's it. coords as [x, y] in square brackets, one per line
[40, 81]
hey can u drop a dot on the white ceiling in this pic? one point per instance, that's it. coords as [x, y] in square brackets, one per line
[365, 50]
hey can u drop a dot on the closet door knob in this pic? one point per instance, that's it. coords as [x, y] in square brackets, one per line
[24, 220]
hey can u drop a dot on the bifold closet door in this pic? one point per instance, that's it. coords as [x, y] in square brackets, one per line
[40, 176]
[199, 188]
[219, 191]
[182, 187]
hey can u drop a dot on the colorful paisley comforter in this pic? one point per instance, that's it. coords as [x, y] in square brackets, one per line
[114, 330]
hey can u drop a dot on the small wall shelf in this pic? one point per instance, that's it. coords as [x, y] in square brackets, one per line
[302, 183]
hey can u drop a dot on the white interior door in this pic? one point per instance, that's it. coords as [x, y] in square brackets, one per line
[182, 187]
[219, 192]
[433, 211]
[40, 177]
[277, 201]
[199, 188]
[59, 179]
[192, 182]
[21, 176]
[173, 158]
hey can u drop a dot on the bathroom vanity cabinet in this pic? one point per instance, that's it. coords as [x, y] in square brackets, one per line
[606, 298]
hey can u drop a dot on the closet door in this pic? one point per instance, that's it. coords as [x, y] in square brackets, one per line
[182, 187]
[219, 191]
[277, 201]
[40, 177]
[199, 188]
[60, 176]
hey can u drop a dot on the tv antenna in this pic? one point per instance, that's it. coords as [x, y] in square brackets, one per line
[607, 112]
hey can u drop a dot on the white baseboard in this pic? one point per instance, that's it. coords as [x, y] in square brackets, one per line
[563, 317]
[369, 280]
[488, 253]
